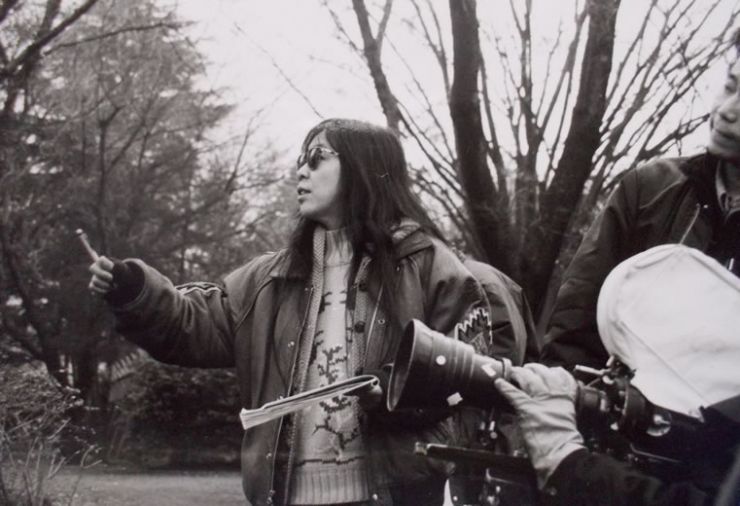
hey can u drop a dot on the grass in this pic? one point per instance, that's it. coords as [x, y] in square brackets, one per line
[120, 486]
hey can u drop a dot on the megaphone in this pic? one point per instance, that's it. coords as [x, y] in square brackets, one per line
[432, 370]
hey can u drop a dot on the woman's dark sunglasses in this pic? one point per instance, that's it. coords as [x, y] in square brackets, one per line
[313, 156]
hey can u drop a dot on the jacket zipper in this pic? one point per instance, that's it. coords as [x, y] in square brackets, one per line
[372, 326]
[695, 216]
[291, 452]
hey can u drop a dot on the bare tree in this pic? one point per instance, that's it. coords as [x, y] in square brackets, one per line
[481, 196]
[373, 45]
[541, 129]
[544, 233]
[20, 56]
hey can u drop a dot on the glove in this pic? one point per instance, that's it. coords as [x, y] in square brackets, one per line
[546, 412]
[128, 281]
[118, 282]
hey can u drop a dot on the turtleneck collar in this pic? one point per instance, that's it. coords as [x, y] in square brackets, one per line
[338, 248]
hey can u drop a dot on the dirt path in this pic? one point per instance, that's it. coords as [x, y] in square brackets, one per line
[106, 486]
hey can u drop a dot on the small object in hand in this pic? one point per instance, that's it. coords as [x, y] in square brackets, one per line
[86, 244]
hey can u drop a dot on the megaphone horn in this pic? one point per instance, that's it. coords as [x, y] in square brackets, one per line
[432, 370]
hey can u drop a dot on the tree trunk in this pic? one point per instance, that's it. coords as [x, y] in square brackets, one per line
[558, 204]
[372, 49]
[488, 222]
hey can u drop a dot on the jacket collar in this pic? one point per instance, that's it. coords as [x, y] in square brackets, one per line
[701, 170]
[408, 238]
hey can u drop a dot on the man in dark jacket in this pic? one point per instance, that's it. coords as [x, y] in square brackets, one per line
[692, 201]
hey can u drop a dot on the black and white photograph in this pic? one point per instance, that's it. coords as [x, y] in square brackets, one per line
[370, 252]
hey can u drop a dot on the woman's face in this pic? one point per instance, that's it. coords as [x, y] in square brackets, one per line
[318, 184]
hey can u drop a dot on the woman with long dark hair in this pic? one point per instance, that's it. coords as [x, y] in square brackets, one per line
[364, 259]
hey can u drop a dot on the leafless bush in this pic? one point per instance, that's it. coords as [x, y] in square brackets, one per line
[35, 423]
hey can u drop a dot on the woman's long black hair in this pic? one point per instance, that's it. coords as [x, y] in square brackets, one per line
[375, 196]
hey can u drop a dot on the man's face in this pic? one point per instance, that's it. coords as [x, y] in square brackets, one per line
[724, 138]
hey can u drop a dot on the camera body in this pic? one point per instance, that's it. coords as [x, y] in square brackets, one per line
[432, 370]
[615, 418]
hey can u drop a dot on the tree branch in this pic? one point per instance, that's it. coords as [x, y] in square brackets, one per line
[372, 52]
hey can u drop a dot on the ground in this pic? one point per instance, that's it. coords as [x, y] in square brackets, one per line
[116, 486]
[120, 486]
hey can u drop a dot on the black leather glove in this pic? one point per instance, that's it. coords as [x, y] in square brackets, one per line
[128, 281]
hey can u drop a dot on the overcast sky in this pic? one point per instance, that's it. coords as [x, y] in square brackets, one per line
[255, 47]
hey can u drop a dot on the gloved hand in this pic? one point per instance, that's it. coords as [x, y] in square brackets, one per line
[117, 281]
[545, 405]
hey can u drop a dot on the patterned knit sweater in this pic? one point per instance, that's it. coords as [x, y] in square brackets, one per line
[330, 454]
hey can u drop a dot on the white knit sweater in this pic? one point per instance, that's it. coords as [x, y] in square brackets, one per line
[330, 459]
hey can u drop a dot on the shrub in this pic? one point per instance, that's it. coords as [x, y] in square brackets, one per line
[179, 416]
[34, 421]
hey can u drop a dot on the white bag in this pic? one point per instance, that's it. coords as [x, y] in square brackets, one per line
[672, 314]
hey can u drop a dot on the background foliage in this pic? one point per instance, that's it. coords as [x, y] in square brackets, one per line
[35, 427]
[181, 416]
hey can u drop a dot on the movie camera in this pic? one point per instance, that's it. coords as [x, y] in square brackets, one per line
[432, 370]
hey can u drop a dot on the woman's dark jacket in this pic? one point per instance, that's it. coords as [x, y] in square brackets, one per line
[254, 323]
